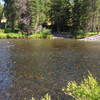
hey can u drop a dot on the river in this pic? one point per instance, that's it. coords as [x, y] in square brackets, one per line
[31, 68]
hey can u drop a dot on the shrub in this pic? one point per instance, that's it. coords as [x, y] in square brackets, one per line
[8, 30]
[45, 97]
[88, 89]
[49, 36]
[2, 35]
[45, 32]
[79, 34]
[35, 36]
[1, 30]
[14, 35]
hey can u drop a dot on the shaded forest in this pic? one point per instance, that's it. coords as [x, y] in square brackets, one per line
[31, 16]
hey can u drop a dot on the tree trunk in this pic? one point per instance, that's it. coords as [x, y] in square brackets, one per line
[13, 25]
[37, 23]
[1, 15]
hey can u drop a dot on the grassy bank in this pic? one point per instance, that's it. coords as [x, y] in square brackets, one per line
[10, 35]
[4, 35]
[45, 34]
[80, 34]
[40, 36]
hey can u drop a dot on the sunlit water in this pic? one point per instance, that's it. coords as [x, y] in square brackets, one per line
[31, 68]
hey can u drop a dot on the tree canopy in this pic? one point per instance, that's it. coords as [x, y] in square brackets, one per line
[64, 15]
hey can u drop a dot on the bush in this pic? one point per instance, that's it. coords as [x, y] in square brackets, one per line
[45, 97]
[1, 30]
[88, 89]
[14, 35]
[9, 35]
[49, 36]
[81, 34]
[2, 35]
[45, 33]
[35, 36]
[8, 30]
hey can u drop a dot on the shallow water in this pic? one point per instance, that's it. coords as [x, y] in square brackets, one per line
[35, 67]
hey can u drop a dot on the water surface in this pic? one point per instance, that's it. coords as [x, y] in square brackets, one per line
[35, 67]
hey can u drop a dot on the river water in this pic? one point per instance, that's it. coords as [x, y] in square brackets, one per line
[31, 68]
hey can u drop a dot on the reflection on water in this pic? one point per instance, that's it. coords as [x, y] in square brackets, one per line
[31, 68]
[5, 74]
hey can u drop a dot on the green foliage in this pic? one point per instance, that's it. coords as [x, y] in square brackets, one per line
[12, 13]
[84, 35]
[2, 35]
[79, 34]
[86, 15]
[35, 36]
[38, 10]
[1, 9]
[1, 30]
[9, 35]
[88, 89]
[60, 13]
[45, 33]
[9, 30]
[40, 36]
[45, 97]
[63, 14]
[14, 35]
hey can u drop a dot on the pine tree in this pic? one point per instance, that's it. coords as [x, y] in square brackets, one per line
[12, 12]
[29, 15]
[77, 14]
[1, 12]
[90, 15]
[38, 10]
[60, 13]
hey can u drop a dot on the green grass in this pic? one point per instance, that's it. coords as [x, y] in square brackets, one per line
[14, 35]
[45, 34]
[84, 35]
[40, 36]
[9, 35]
[88, 89]
[2, 35]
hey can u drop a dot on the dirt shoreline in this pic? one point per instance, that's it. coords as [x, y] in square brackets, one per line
[92, 38]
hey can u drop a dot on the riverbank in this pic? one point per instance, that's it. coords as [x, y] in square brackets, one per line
[92, 38]
[46, 34]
